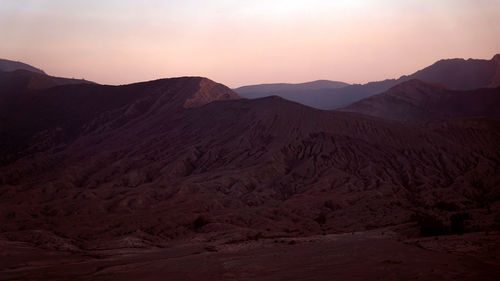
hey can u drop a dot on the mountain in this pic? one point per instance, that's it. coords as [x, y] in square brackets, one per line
[8, 65]
[19, 95]
[308, 93]
[157, 178]
[417, 100]
[458, 74]
[16, 76]
[257, 91]
[58, 114]
[21, 80]
[185, 155]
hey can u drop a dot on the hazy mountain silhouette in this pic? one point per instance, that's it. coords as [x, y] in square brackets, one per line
[262, 90]
[416, 100]
[9, 65]
[456, 74]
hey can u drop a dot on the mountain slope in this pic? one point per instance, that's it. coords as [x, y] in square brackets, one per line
[59, 114]
[136, 164]
[8, 65]
[22, 80]
[460, 74]
[456, 74]
[416, 100]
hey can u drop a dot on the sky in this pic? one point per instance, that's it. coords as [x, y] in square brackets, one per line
[238, 42]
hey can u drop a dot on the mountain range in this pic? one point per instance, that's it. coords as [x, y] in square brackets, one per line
[152, 178]
[457, 74]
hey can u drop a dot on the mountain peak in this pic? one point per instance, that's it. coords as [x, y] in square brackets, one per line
[209, 91]
[496, 59]
[185, 91]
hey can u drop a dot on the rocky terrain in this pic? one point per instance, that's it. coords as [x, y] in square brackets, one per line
[154, 179]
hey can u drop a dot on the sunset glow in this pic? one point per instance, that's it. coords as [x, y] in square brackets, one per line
[245, 42]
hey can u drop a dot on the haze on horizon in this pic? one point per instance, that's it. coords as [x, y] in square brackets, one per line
[245, 42]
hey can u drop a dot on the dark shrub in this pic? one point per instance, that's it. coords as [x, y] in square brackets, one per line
[446, 206]
[431, 226]
[321, 218]
[458, 222]
[255, 237]
[199, 222]
[330, 205]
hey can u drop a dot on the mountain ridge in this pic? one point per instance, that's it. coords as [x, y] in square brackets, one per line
[54, 107]
[26, 79]
[9, 65]
[276, 87]
[415, 100]
[458, 74]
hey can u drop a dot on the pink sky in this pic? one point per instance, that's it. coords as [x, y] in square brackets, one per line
[245, 42]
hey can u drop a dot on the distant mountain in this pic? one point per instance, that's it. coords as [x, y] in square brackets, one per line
[417, 100]
[9, 65]
[308, 93]
[456, 74]
[261, 90]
